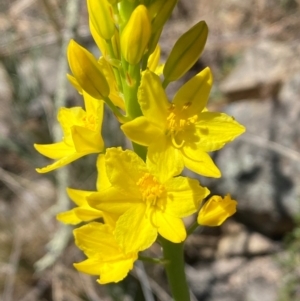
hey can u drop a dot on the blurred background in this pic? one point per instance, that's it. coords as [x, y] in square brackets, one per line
[254, 52]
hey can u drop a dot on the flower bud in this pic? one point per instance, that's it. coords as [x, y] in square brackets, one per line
[100, 42]
[160, 12]
[101, 15]
[186, 52]
[73, 81]
[136, 35]
[87, 72]
[216, 210]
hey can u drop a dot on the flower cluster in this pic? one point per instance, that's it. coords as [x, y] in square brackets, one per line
[140, 194]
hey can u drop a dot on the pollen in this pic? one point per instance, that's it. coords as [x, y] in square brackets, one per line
[151, 190]
[178, 121]
[90, 122]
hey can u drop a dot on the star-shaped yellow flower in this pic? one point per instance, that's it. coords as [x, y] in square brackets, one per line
[148, 199]
[105, 257]
[82, 134]
[181, 132]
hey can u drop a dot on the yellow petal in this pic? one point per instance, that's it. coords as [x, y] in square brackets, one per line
[68, 117]
[60, 163]
[134, 230]
[141, 131]
[171, 228]
[152, 99]
[96, 240]
[195, 92]
[184, 196]
[68, 217]
[200, 162]
[55, 150]
[163, 160]
[89, 266]
[87, 213]
[124, 169]
[217, 129]
[78, 196]
[216, 210]
[154, 59]
[116, 271]
[94, 107]
[87, 141]
[102, 179]
[112, 200]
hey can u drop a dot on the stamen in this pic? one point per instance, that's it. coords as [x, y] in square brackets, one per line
[174, 142]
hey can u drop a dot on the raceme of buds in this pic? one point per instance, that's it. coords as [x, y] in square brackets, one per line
[136, 35]
[86, 71]
[101, 15]
[186, 52]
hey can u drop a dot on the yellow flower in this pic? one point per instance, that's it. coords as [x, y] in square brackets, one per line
[181, 132]
[105, 257]
[147, 198]
[216, 210]
[82, 134]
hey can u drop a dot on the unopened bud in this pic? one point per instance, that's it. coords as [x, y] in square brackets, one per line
[101, 15]
[186, 52]
[216, 210]
[136, 35]
[87, 72]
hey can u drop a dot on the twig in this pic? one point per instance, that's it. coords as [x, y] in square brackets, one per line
[61, 238]
[53, 17]
[36, 292]
[14, 262]
[161, 294]
[144, 281]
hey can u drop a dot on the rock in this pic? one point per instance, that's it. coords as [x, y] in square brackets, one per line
[236, 279]
[244, 243]
[261, 70]
[261, 169]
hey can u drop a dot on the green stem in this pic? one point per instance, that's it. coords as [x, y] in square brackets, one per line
[115, 70]
[133, 79]
[173, 254]
[116, 111]
[192, 228]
